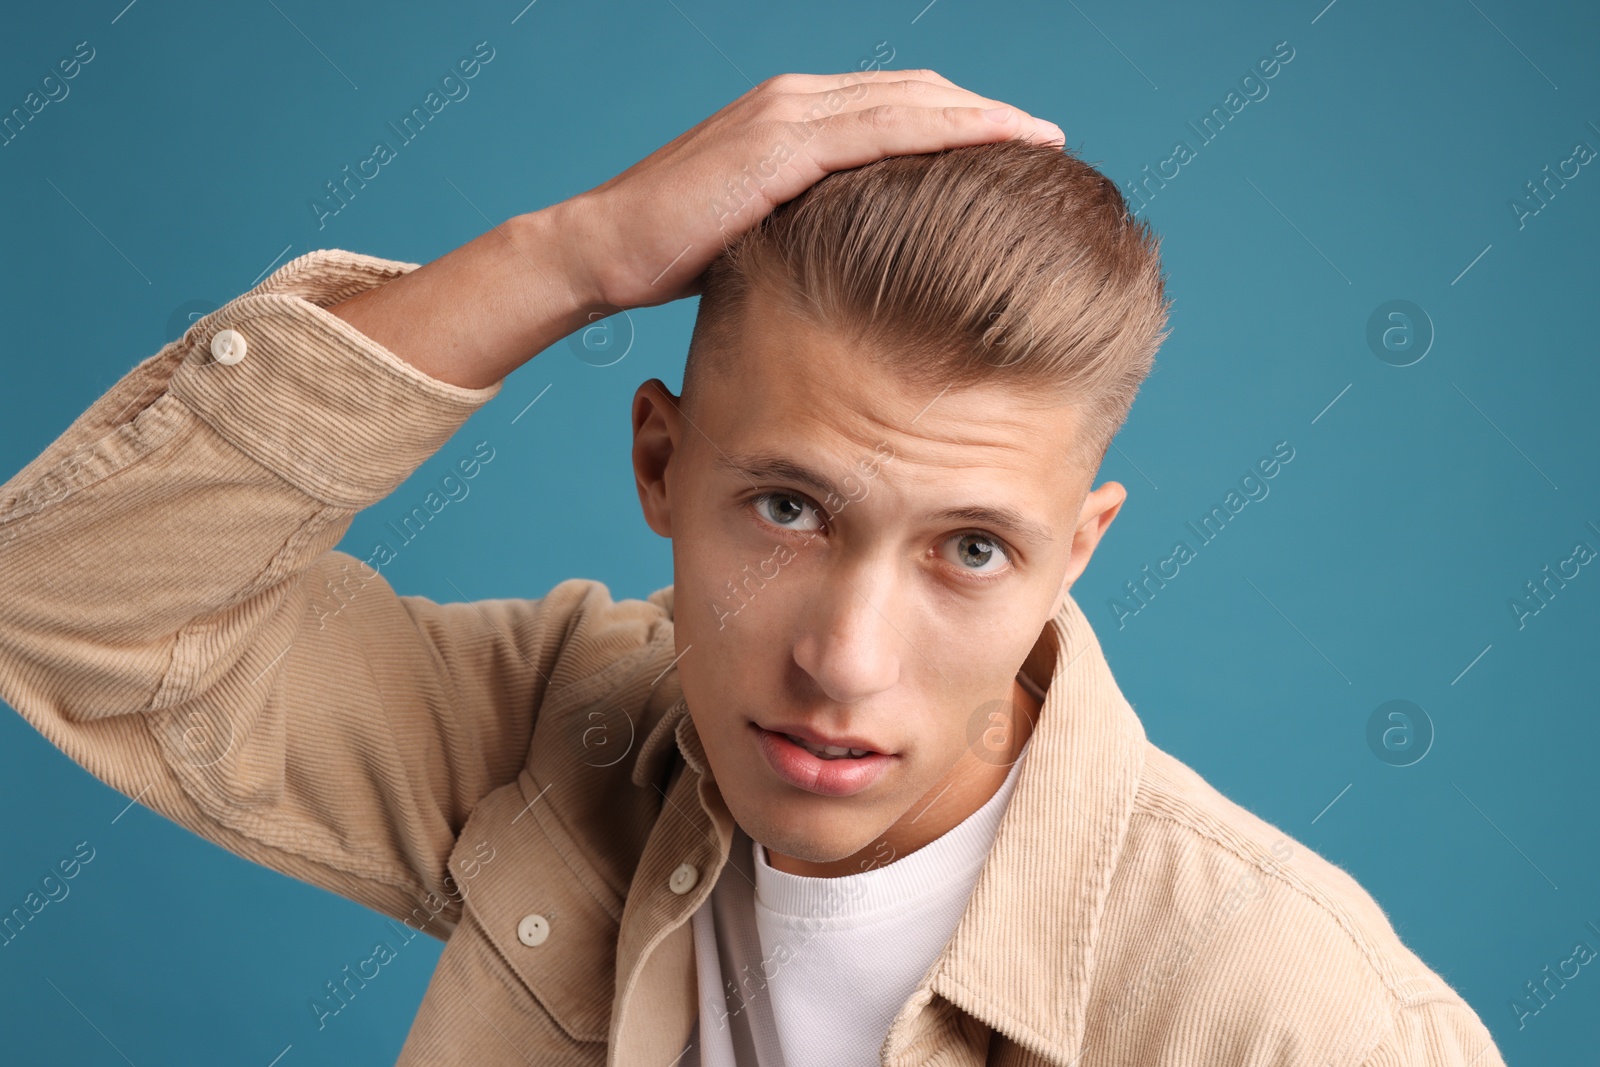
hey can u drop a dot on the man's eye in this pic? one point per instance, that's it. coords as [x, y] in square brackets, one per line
[788, 511]
[978, 554]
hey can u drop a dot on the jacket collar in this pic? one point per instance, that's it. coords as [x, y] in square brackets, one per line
[1022, 956]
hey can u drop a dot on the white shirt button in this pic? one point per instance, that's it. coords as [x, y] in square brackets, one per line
[228, 346]
[533, 929]
[684, 878]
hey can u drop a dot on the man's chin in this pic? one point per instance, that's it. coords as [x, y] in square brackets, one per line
[810, 843]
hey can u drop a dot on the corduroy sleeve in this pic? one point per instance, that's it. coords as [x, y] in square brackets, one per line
[174, 617]
[1436, 1033]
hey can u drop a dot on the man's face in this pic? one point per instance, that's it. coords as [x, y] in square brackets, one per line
[876, 611]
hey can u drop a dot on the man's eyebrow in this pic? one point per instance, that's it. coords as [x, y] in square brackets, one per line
[769, 467]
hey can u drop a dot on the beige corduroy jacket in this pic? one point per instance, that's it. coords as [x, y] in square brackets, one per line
[520, 777]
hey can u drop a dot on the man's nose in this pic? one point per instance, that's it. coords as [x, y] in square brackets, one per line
[852, 645]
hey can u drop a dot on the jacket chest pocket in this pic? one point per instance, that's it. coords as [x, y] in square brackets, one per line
[525, 883]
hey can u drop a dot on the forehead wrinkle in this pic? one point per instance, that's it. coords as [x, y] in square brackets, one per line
[861, 397]
[871, 403]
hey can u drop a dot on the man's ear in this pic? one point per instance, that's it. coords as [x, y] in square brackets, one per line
[656, 423]
[1099, 508]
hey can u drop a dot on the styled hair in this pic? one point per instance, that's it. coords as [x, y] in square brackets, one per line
[1010, 262]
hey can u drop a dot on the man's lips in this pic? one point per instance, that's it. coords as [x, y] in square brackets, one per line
[843, 775]
[813, 736]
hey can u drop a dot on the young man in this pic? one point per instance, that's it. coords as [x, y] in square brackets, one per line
[859, 786]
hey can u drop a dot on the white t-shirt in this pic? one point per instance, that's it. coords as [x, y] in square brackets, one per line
[817, 968]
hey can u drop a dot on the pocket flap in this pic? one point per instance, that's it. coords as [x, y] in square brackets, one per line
[514, 861]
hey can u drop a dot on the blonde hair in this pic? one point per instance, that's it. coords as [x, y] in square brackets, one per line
[1011, 262]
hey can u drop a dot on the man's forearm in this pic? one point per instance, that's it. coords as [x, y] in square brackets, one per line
[476, 314]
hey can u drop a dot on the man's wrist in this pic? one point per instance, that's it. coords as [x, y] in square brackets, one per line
[563, 288]
[479, 312]
[554, 242]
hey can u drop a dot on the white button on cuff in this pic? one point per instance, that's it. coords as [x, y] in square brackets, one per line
[533, 929]
[684, 878]
[228, 346]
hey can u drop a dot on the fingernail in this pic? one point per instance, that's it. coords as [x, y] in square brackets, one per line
[998, 114]
[1059, 131]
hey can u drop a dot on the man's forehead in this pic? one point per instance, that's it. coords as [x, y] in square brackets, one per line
[810, 405]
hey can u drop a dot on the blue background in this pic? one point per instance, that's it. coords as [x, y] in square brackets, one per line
[1381, 166]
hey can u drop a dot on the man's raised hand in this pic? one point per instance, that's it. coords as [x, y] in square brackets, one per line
[645, 236]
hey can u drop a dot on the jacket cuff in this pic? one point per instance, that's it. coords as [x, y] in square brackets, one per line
[315, 400]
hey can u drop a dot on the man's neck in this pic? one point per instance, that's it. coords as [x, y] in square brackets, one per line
[970, 784]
